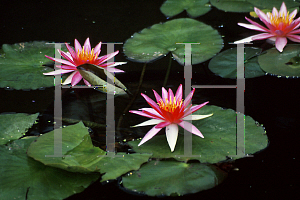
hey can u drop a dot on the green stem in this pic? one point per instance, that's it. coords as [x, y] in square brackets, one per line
[168, 71]
[134, 97]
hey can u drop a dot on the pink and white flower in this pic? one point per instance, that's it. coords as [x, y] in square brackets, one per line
[170, 111]
[82, 55]
[280, 26]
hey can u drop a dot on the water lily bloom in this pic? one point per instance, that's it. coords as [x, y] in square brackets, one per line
[280, 26]
[170, 111]
[79, 56]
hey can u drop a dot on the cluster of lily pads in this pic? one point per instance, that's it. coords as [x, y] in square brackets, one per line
[152, 167]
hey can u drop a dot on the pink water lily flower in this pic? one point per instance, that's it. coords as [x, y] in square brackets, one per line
[82, 55]
[280, 26]
[170, 111]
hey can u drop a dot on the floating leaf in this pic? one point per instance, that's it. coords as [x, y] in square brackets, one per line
[219, 139]
[281, 64]
[154, 42]
[194, 8]
[82, 156]
[248, 5]
[14, 126]
[225, 63]
[158, 178]
[95, 75]
[21, 176]
[21, 66]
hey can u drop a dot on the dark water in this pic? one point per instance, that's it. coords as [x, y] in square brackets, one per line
[272, 101]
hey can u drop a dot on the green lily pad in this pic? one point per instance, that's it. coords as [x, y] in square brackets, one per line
[219, 139]
[21, 65]
[158, 178]
[194, 8]
[14, 126]
[281, 64]
[224, 64]
[160, 39]
[82, 156]
[22, 176]
[248, 5]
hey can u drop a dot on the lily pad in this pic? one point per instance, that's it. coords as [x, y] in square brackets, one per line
[194, 8]
[81, 156]
[21, 65]
[22, 176]
[14, 126]
[281, 64]
[219, 139]
[168, 178]
[160, 39]
[225, 63]
[248, 5]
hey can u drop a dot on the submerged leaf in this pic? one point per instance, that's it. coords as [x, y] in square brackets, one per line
[160, 39]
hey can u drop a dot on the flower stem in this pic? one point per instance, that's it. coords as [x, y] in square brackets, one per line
[168, 71]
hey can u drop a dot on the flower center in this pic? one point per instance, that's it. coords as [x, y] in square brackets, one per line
[169, 105]
[284, 19]
[86, 56]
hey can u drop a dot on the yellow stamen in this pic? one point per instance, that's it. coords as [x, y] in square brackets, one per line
[84, 55]
[170, 106]
[276, 20]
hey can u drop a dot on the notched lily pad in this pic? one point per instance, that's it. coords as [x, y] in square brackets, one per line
[248, 5]
[79, 154]
[225, 63]
[158, 178]
[285, 63]
[219, 139]
[14, 126]
[194, 8]
[22, 176]
[160, 39]
[21, 65]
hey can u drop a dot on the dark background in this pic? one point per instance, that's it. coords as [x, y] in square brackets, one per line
[273, 102]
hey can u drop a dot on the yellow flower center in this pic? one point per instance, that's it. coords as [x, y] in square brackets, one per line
[170, 106]
[276, 20]
[86, 56]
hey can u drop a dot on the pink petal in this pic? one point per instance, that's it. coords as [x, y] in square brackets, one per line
[61, 61]
[152, 103]
[151, 111]
[283, 10]
[76, 78]
[172, 134]
[68, 57]
[252, 27]
[157, 96]
[178, 94]
[87, 45]
[280, 43]
[77, 46]
[86, 82]
[197, 107]
[294, 38]
[262, 36]
[68, 67]
[257, 25]
[188, 98]
[145, 114]
[57, 72]
[163, 124]
[115, 70]
[72, 52]
[293, 14]
[191, 128]
[105, 58]
[275, 12]
[164, 94]
[262, 16]
[149, 122]
[97, 48]
[294, 32]
[69, 79]
[149, 135]
[171, 95]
